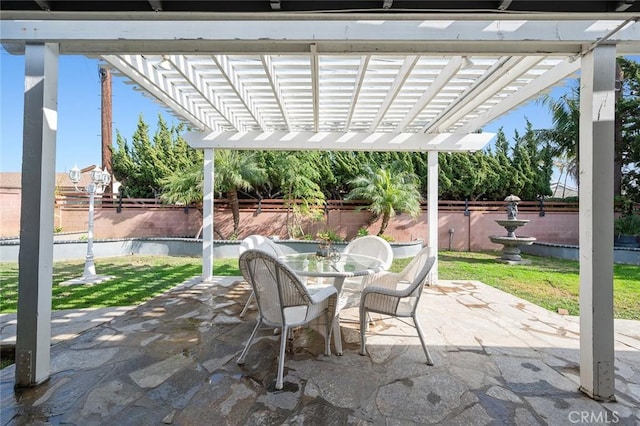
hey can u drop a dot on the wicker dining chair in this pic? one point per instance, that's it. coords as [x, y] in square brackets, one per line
[398, 295]
[374, 246]
[283, 301]
[258, 242]
[368, 245]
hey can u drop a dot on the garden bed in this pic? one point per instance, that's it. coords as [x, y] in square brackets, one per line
[621, 255]
[77, 249]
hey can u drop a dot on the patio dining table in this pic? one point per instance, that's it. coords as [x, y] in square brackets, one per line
[335, 269]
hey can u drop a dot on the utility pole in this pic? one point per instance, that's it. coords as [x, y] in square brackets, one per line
[106, 105]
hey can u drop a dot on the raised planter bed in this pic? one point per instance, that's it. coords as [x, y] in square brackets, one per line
[624, 255]
[76, 249]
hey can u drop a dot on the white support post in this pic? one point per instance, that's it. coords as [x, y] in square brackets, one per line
[207, 216]
[597, 110]
[35, 261]
[432, 206]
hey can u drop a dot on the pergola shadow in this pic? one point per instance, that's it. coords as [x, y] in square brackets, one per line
[173, 360]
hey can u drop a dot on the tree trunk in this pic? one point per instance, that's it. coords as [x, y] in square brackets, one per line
[235, 210]
[383, 225]
[374, 217]
[618, 142]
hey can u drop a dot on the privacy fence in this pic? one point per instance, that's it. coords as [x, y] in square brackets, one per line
[463, 225]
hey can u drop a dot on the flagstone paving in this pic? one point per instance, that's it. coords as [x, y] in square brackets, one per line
[498, 360]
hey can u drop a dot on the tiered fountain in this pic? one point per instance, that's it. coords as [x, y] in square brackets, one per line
[511, 242]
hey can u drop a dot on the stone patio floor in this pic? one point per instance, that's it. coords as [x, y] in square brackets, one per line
[499, 360]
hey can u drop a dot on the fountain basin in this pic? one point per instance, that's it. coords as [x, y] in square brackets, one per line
[511, 249]
[511, 225]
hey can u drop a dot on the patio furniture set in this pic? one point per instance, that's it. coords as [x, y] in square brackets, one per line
[299, 289]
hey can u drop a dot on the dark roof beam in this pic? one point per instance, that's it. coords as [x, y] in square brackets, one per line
[44, 4]
[156, 5]
[504, 4]
[624, 5]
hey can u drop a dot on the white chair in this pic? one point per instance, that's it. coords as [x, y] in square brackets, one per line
[397, 294]
[372, 246]
[257, 242]
[283, 301]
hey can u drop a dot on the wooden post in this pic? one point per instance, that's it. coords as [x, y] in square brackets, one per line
[597, 110]
[35, 260]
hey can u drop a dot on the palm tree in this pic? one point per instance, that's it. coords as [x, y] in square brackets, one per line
[389, 191]
[233, 171]
[564, 136]
[566, 122]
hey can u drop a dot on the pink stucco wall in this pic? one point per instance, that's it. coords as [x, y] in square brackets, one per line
[9, 213]
[469, 232]
[134, 223]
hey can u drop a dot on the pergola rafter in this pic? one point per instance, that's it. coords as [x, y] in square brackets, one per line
[192, 79]
[150, 83]
[229, 73]
[362, 70]
[512, 69]
[561, 71]
[274, 83]
[401, 77]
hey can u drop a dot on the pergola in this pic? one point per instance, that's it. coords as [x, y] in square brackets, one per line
[364, 75]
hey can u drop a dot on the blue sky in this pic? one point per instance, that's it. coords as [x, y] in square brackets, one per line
[78, 138]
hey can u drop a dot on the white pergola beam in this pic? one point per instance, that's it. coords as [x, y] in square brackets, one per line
[524, 31]
[490, 87]
[341, 141]
[482, 82]
[225, 67]
[139, 78]
[533, 89]
[206, 92]
[315, 87]
[272, 76]
[450, 70]
[330, 35]
[403, 73]
[362, 70]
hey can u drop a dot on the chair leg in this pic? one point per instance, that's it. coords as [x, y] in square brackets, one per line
[337, 335]
[363, 331]
[283, 345]
[421, 335]
[327, 331]
[246, 305]
[249, 342]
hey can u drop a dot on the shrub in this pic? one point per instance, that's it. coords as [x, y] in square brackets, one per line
[363, 232]
[627, 225]
[329, 235]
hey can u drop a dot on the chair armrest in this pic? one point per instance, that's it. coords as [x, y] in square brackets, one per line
[322, 294]
[384, 279]
[384, 291]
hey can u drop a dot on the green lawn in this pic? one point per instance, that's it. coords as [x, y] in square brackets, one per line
[551, 283]
[547, 282]
[137, 278]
